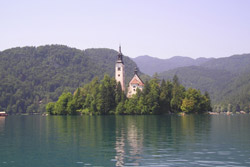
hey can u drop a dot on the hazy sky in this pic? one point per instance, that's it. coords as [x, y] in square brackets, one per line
[159, 28]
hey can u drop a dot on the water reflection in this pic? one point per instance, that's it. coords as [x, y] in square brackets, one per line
[129, 141]
[191, 140]
[120, 149]
[140, 140]
[2, 124]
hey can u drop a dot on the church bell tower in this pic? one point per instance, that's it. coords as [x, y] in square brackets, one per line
[120, 70]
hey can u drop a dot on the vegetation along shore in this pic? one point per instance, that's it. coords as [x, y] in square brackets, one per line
[106, 97]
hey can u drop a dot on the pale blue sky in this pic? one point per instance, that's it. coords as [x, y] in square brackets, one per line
[159, 28]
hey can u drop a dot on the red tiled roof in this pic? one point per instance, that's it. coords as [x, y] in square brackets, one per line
[135, 81]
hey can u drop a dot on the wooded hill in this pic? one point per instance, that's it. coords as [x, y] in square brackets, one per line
[150, 65]
[33, 76]
[226, 79]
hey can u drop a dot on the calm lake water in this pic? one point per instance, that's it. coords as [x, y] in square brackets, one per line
[76, 141]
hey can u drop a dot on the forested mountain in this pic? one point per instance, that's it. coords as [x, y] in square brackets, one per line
[237, 64]
[226, 79]
[150, 65]
[236, 93]
[201, 78]
[33, 76]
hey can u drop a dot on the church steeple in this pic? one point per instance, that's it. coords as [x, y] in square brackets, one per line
[120, 56]
[120, 69]
[136, 70]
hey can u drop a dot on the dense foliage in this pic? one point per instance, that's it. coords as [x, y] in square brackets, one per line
[106, 97]
[33, 76]
[226, 79]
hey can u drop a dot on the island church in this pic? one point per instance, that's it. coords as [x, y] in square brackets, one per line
[134, 83]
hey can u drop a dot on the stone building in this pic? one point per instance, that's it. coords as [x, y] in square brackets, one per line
[134, 83]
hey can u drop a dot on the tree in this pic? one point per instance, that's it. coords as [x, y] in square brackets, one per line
[120, 109]
[153, 96]
[106, 97]
[62, 103]
[178, 95]
[76, 103]
[156, 78]
[208, 102]
[229, 108]
[50, 108]
[188, 105]
[131, 106]
[119, 94]
[165, 96]
[195, 102]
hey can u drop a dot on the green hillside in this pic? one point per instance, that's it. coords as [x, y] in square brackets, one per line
[237, 93]
[150, 65]
[205, 79]
[33, 76]
[226, 80]
[237, 64]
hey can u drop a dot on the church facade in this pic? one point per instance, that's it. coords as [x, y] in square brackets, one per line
[134, 83]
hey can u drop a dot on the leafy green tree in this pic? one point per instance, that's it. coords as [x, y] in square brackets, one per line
[178, 95]
[119, 94]
[191, 102]
[120, 109]
[188, 105]
[195, 102]
[131, 106]
[165, 96]
[143, 106]
[50, 108]
[62, 103]
[75, 105]
[106, 97]
[153, 96]
[208, 102]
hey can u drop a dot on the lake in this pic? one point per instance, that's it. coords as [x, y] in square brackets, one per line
[171, 140]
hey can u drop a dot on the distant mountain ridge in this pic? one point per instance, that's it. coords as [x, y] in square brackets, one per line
[150, 65]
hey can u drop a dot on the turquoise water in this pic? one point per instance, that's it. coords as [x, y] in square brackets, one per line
[76, 141]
